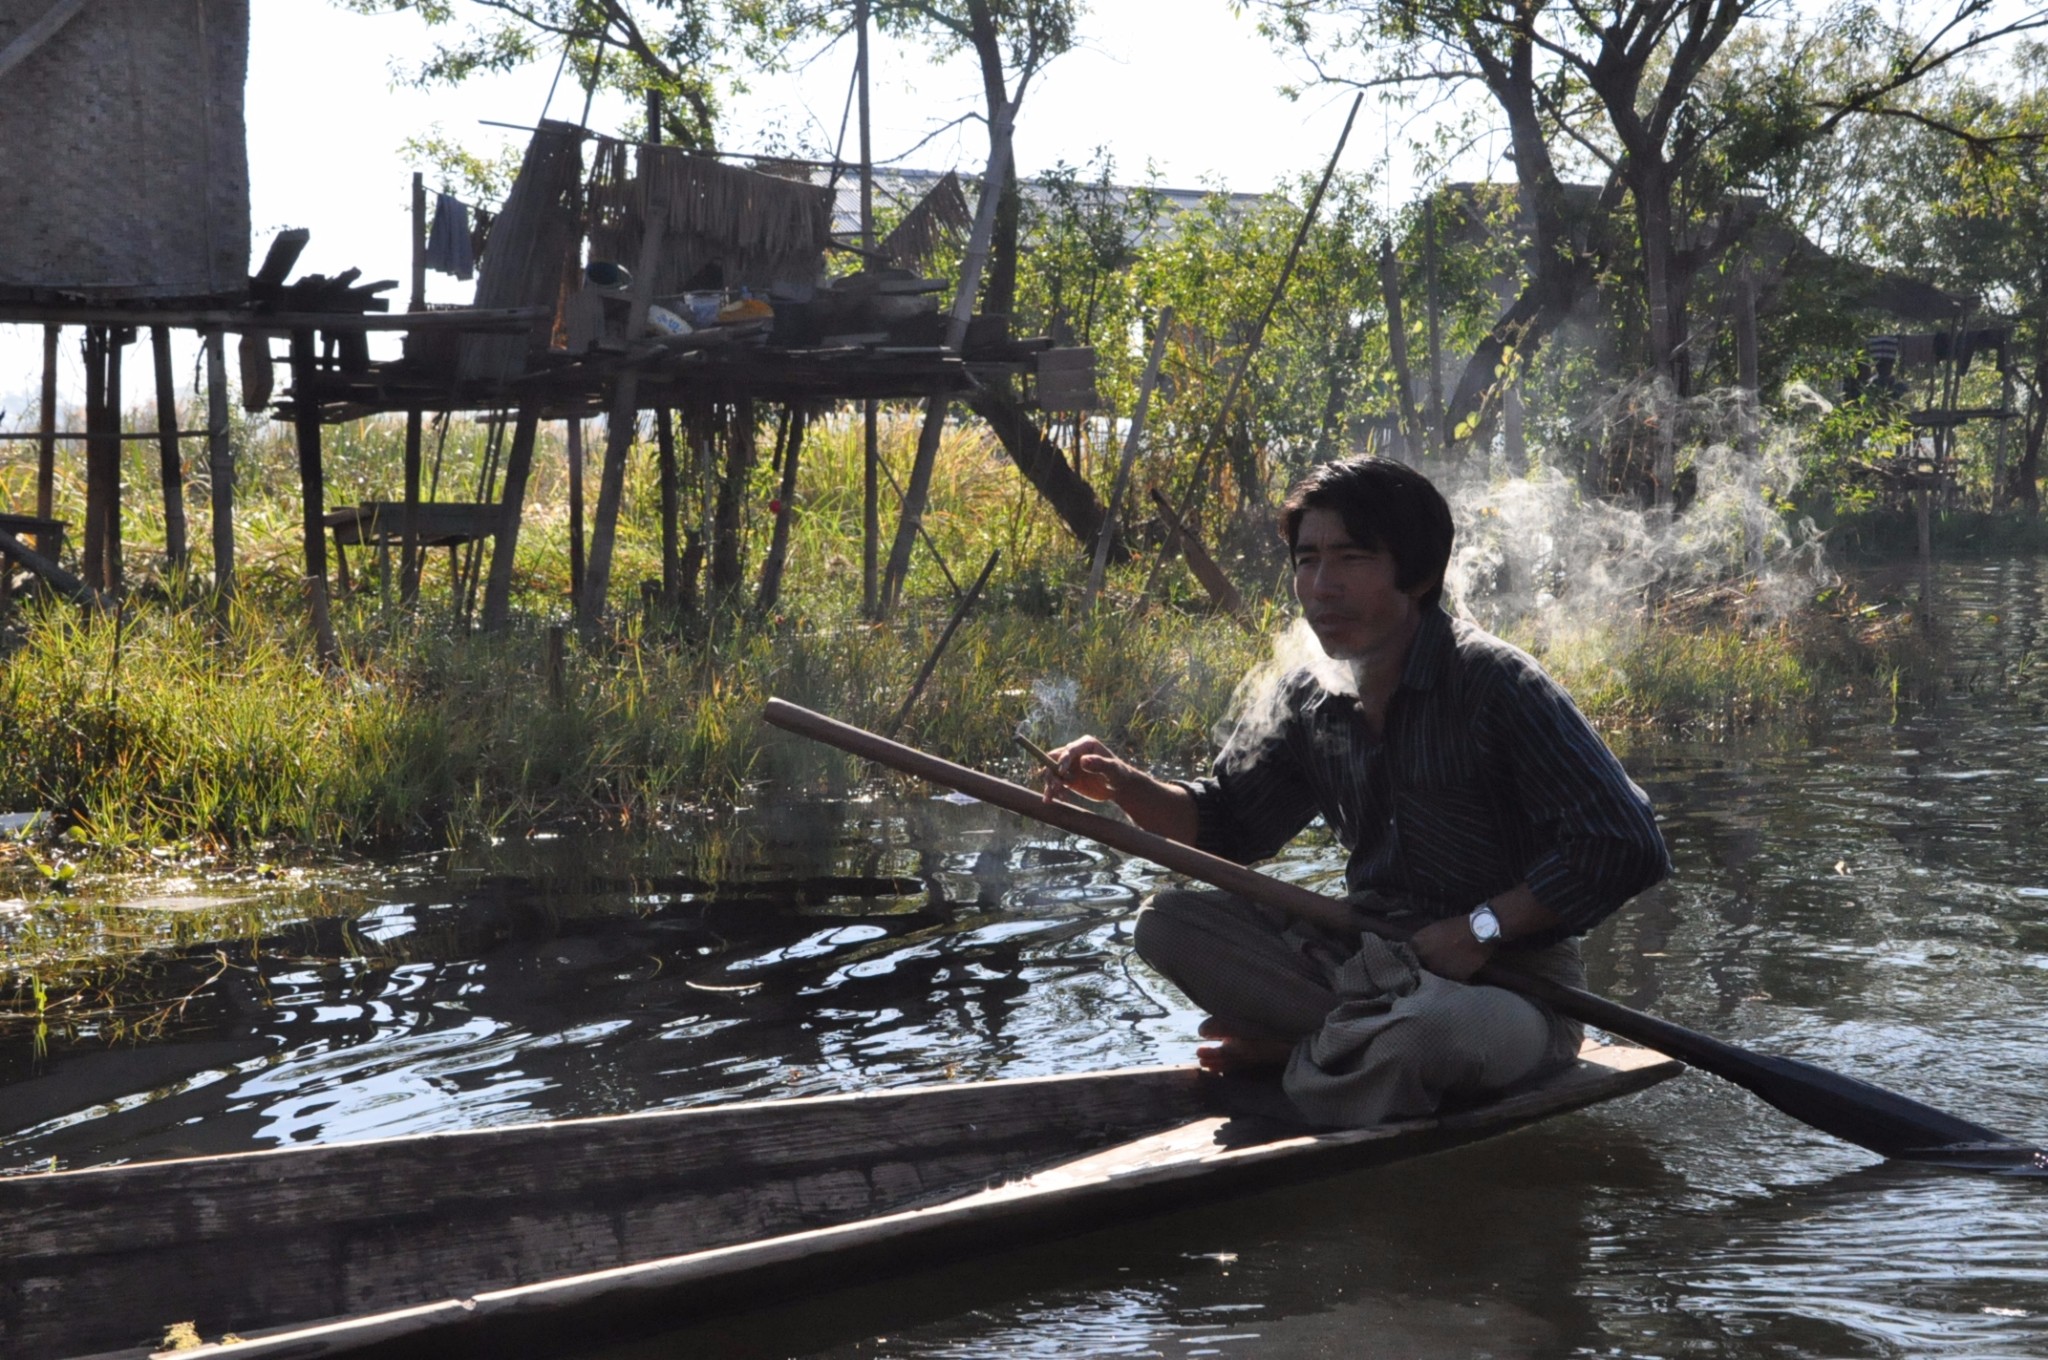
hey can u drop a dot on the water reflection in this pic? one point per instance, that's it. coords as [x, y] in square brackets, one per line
[1868, 896]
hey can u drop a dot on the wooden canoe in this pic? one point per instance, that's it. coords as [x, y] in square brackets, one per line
[510, 1240]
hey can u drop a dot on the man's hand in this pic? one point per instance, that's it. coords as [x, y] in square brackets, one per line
[1091, 769]
[1447, 949]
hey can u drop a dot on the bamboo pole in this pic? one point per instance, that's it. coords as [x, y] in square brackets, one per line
[1219, 427]
[1099, 566]
[931, 662]
[972, 264]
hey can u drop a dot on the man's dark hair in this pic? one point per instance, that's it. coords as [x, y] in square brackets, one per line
[1384, 505]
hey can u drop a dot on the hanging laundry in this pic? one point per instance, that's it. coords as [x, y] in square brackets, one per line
[448, 241]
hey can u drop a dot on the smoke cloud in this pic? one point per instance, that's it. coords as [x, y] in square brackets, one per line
[1538, 557]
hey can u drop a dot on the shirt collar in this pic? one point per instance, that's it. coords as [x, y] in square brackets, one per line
[1429, 654]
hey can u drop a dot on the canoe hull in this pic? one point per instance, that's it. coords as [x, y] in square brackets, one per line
[487, 1242]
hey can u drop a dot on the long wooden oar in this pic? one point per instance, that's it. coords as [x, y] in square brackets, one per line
[1854, 1111]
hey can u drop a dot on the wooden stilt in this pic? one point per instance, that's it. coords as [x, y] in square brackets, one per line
[625, 409]
[93, 547]
[409, 553]
[171, 459]
[46, 453]
[778, 547]
[1746, 357]
[518, 462]
[313, 494]
[575, 443]
[220, 461]
[1098, 567]
[118, 339]
[1397, 348]
[870, 509]
[728, 569]
[914, 497]
[665, 473]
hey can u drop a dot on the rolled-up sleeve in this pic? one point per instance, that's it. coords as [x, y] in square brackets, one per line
[1256, 798]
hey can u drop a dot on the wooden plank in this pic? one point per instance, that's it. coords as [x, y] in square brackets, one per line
[285, 249]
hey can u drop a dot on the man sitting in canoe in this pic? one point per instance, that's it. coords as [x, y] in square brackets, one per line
[1481, 812]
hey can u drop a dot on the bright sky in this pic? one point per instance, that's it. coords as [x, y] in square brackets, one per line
[1184, 85]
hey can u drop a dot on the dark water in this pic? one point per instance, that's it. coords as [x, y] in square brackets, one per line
[1871, 895]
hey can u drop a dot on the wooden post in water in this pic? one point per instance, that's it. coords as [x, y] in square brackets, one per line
[312, 494]
[1098, 566]
[871, 452]
[1514, 434]
[1747, 361]
[220, 463]
[728, 570]
[505, 545]
[1397, 350]
[1439, 437]
[171, 461]
[785, 512]
[669, 484]
[574, 440]
[46, 450]
[409, 550]
[625, 417]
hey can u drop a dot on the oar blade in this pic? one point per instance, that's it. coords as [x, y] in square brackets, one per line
[1882, 1121]
[1852, 1110]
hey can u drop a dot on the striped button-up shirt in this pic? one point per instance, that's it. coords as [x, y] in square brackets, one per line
[1486, 776]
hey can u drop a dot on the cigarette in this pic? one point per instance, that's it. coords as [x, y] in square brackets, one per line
[1044, 757]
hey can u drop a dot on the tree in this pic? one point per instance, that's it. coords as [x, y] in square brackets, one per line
[1618, 87]
[682, 50]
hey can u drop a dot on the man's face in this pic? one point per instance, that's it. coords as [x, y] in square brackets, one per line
[1348, 593]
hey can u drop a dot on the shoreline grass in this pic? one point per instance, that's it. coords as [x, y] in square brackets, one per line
[174, 738]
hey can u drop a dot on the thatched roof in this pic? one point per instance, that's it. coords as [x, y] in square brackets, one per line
[123, 166]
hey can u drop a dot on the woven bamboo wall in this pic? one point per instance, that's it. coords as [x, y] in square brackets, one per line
[124, 169]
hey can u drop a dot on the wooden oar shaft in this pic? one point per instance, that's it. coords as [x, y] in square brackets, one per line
[1174, 855]
[1849, 1109]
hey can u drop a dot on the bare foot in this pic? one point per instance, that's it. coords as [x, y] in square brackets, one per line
[1237, 1051]
[1244, 1055]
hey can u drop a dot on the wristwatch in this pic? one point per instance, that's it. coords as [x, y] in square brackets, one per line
[1485, 925]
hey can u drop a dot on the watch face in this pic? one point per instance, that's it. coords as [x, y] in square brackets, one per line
[1485, 925]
